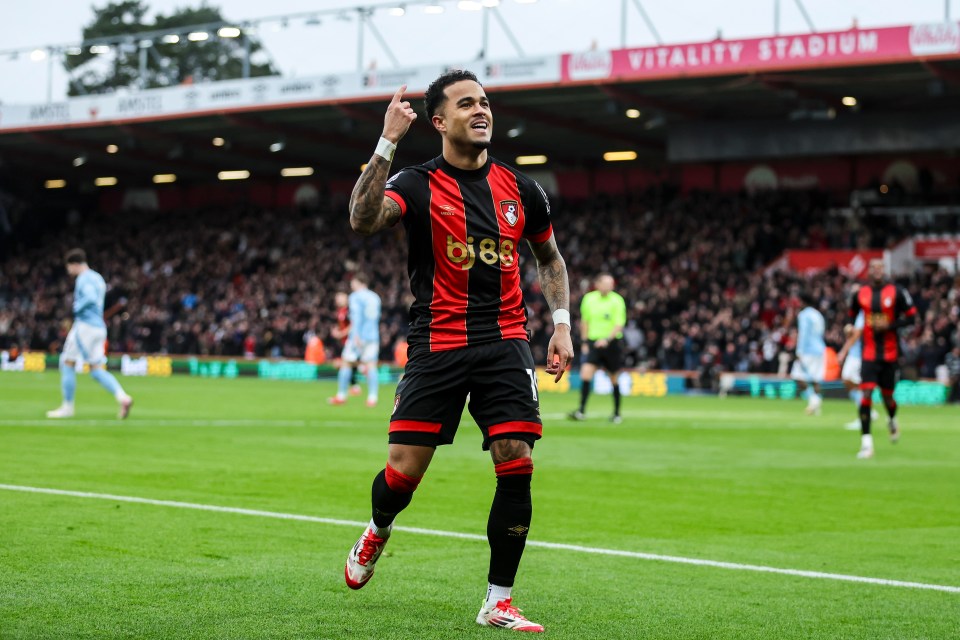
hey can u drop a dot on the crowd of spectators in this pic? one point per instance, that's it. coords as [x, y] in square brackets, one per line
[229, 282]
[693, 272]
[255, 283]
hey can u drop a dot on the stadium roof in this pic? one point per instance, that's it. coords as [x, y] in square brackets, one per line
[573, 123]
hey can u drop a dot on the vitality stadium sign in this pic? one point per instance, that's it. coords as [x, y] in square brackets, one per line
[720, 57]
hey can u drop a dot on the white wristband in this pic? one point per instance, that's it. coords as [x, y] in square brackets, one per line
[385, 149]
[561, 316]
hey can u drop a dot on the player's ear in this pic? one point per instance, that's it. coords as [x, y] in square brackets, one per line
[439, 123]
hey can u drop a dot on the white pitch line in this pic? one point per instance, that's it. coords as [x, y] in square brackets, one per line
[177, 423]
[472, 536]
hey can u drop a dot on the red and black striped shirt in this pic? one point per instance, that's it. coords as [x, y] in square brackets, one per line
[886, 306]
[464, 229]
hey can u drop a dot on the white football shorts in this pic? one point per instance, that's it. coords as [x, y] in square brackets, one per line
[364, 352]
[808, 368]
[851, 370]
[85, 343]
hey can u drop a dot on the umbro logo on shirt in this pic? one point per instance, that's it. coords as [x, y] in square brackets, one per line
[448, 210]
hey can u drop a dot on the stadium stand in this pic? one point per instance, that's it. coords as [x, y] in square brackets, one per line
[246, 281]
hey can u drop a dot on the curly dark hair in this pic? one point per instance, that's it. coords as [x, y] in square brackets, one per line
[434, 97]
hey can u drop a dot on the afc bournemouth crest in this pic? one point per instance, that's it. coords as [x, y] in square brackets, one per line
[510, 210]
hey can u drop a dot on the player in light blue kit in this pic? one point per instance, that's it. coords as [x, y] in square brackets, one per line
[808, 368]
[363, 341]
[87, 338]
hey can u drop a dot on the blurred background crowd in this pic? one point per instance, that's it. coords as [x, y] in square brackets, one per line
[258, 283]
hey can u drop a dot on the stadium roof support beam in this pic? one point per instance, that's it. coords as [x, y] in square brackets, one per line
[364, 22]
[803, 12]
[364, 14]
[485, 50]
[806, 16]
[249, 23]
[624, 13]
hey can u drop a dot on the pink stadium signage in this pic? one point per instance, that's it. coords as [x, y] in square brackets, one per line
[837, 48]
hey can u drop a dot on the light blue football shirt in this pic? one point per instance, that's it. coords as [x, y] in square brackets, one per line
[810, 329]
[364, 310]
[88, 296]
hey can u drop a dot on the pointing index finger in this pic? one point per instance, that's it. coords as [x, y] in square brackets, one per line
[399, 94]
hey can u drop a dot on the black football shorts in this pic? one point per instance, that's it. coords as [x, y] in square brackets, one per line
[499, 379]
[882, 374]
[609, 357]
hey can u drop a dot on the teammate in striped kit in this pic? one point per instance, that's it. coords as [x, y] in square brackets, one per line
[87, 337]
[886, 307]
[342, 331]
[465, 214]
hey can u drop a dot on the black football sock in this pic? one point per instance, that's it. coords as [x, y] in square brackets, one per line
[584, 394]
[616, 398]
[509, 520]
[387, 500]
[890, 404]
[865, 419]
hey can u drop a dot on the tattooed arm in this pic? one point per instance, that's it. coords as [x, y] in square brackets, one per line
[556, 289]
[370, 210]
[553, 273]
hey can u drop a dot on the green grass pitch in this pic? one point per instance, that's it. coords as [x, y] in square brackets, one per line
[748, 482]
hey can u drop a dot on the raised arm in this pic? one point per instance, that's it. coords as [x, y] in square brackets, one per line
[556, 289]
[370, 210]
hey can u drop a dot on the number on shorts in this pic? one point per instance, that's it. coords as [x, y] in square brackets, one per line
[533, 383]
